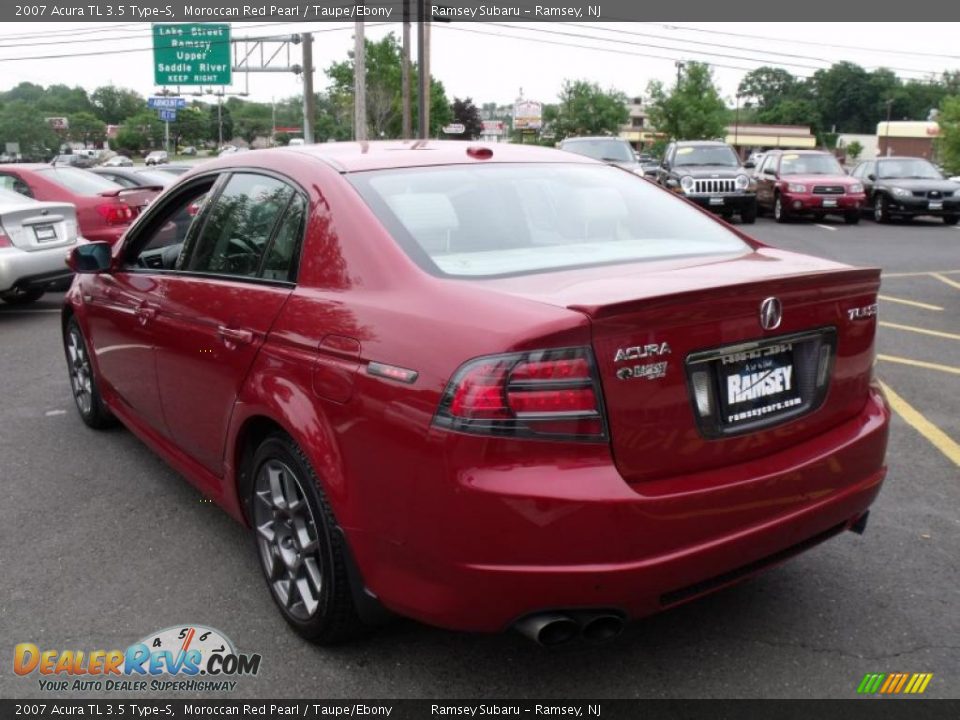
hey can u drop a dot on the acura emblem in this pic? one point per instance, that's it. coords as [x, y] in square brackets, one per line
[771, 313]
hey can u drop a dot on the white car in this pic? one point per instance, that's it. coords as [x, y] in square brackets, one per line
[157, 157]
[119, 161]
[34, 238]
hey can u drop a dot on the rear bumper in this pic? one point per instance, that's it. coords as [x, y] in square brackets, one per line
[600, 543]
[27, 270]
[810, 203]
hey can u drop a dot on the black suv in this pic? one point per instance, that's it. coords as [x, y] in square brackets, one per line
[710, 174]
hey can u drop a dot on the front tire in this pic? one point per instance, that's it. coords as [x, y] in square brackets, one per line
[21, 297]
[881, 210]
[83, 382]
[852, 218]
[779, 211]
[302, 556]
[748, 216]
[950, 219]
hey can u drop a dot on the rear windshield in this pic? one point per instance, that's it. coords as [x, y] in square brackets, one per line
[80, 182]
[494, 220]
[601, 149]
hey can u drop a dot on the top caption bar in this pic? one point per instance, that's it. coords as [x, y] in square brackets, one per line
[507, 11]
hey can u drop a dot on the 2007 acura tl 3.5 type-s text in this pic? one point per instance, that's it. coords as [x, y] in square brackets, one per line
[482, 387]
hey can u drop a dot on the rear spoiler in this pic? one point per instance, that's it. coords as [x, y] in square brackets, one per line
[119, 191]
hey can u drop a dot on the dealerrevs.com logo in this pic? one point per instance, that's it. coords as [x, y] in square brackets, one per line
[190, 658]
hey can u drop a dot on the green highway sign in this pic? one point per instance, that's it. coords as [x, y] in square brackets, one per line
[191, 54]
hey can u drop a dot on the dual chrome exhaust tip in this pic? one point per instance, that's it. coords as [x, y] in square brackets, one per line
[552, 629]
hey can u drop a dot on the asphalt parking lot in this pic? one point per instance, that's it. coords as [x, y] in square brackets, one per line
[101, 543]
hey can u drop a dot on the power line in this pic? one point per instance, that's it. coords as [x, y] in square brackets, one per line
[451, 26]
[755, 51]
[668, 48]
[837, 46]
[104, 27]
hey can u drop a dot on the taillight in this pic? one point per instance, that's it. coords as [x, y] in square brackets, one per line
[5, 240]
[550, 394]
[115, 213]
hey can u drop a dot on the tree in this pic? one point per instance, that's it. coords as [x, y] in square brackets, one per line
[383, 70]
[693, 110]
[141, 132]
[467, 114]
[854, 150]
[586, 109]
[765, 87]
[86, 128]
[22, 123]
[214, 121]
[113, 105]
[190, 127]
[949, 140]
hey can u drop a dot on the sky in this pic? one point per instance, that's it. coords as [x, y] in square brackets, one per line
[493, 62]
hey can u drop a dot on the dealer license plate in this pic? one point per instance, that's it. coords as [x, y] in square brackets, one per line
[830, 202]
[757, 383]
[936, 205]
[716, 201]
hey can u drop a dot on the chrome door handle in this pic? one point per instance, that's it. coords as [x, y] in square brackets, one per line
[234, 335]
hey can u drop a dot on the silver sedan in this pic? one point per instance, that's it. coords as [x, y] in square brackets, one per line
[34, 238]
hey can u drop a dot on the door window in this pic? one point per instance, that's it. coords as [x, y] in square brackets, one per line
[238, 227]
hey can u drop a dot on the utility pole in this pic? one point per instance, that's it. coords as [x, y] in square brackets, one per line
[889, 110]
[405, 71]
[220, 120]
[423, 63]
[680, 65]
[308, 99]
[359, 83]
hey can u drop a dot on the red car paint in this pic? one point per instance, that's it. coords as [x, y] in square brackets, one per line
[103, 216]
[472, 531]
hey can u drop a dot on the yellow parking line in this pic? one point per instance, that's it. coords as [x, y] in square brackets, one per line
[939, 439]
[919, 364]
[918, 274]
[922, 331]
[944, 279]
[912, 303]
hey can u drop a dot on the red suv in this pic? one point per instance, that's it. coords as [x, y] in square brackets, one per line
[482, 386]
[810, 183]
[104, 208]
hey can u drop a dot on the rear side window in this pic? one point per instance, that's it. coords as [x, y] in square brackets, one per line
[15, 184]
[239, 226]
[80, 182]
[280, 262]
[471, 221]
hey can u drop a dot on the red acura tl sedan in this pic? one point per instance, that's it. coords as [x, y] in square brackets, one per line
[482, 386]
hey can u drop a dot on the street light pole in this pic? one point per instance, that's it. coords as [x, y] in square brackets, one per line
[889, 110]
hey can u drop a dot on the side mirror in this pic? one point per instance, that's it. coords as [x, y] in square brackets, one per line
[871, 177]
[89, 258]
[770, 171]
[749, 164]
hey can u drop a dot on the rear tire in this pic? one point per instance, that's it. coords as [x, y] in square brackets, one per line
[22, 297]
[83, 381]
[852, 218]
[950, 219]
[302, 556]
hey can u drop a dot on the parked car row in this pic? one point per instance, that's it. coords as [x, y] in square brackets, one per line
[46, 208]
[788, 184]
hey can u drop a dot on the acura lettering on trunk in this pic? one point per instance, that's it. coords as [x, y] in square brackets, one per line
[482, 386]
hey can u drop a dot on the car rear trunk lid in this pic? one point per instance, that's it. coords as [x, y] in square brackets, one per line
[40, 226]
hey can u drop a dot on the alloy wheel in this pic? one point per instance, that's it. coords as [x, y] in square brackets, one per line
[81, 376]
[880, 210]
[288, 540]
